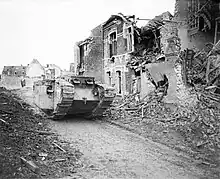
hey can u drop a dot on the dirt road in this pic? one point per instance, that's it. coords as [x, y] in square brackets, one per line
[111, 152]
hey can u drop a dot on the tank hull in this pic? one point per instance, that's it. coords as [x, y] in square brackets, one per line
[79, 96]
[82, 108]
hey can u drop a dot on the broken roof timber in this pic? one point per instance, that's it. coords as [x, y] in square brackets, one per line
[119, 15]
[86, 41]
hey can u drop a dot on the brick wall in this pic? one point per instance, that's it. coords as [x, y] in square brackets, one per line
[94, 62]
[121, 41]
[128, 79]
[119, 64]
[120, 60]
[76, 55]
[121, 45]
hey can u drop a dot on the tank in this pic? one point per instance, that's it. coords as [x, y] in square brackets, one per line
[77, 96]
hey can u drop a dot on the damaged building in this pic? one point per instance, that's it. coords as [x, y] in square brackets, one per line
[198, 22]
[16, 71]
[88, 55]
[12, 75]
[199, 33]
[155, 56]
[126, 50]
[118, 37]
[184, 52]
[158, 56]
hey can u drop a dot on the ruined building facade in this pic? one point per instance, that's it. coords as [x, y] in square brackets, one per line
[16, 71]
[117, 51]
[199, 22]
[89, 54]
[104, 55]
[118, 37]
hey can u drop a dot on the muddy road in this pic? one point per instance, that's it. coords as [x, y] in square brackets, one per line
[112, 152]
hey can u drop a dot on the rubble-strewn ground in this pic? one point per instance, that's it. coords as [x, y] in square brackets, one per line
[24, 133]
[112, 152]
[192, 129]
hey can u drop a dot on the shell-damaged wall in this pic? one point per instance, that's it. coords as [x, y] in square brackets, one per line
[157, 70]
[118, 41]
[177, 91]
[94, 62]
[121, 41]
[196, 32]
[13, 82]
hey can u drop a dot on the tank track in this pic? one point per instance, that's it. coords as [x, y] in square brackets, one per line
[65, 103]
[67, 98]
[101, 108]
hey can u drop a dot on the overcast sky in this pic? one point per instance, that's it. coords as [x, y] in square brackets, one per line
[47, 29]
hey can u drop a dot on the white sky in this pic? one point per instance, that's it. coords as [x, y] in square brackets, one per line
[47, 29]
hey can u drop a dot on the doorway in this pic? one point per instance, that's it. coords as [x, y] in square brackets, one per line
[119, 81]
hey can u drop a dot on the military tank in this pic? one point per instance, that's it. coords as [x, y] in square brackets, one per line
[76, 96]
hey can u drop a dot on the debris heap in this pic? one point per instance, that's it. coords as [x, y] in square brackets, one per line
[198, 123]
[28, 149]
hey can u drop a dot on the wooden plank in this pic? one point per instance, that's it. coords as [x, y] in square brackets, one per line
[31, 165]
[4, 121]
[207, 71]
[59, 147]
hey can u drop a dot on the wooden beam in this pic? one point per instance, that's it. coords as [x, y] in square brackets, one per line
[207, 70]
[31, 165]
[216, 31]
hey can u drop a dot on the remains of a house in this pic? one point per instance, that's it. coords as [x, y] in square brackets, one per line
[35, 69]
[166, 73]
[178, 59]
[88, 55]
[52, 70]
[12, 76]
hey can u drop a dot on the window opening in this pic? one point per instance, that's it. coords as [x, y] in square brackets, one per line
[129, 39]
[113, 44]
[119, 82]
[109, 78]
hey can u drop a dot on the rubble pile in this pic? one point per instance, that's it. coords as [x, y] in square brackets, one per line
[28, 149]
[198, 123]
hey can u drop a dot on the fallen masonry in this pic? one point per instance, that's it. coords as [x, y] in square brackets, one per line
[198, 123]
[28, 149]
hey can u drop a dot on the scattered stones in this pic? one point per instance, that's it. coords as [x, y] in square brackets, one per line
[25, 137]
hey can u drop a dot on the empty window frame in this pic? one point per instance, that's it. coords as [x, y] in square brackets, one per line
[113, 43]
[119, 86]
[109, 78]
[193, 7]
[130, 39]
